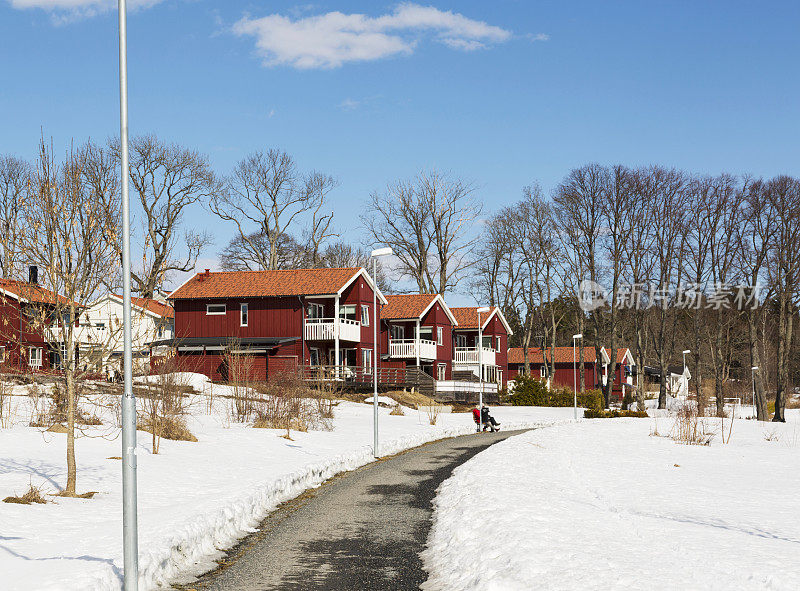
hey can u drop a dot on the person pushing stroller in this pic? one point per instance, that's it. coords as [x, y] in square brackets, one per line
[481, 415]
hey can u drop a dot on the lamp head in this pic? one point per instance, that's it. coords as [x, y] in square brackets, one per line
[381, 252]
[754, 368]
[577, 336]
[687, 351]
[484, 309]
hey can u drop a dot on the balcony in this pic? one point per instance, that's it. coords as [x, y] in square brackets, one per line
[324, 329]
[407, 349]
[469, 356]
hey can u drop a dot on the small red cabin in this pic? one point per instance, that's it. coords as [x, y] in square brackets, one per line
[468, 354]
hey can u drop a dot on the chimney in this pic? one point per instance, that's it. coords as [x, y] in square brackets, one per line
[202, 276]
[33, 274]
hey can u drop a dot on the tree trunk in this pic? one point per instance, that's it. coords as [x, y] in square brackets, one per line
[581, 363]
[755, 361]
[784, 344]
[69, 490]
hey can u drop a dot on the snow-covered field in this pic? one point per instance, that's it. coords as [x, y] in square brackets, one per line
[602, 504]
[194, 498]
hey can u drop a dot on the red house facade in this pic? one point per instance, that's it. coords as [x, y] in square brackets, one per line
[417, 331]
[567, 367]
[280, 320]
[25, 319]
[491, 354]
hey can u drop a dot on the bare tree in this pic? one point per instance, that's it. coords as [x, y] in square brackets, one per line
[265, 196]
[14, 177]
[784, 271]
[247, 254]
[755, 238]
[578, 199]
[71, 231]
[168, 179]
[428, 222]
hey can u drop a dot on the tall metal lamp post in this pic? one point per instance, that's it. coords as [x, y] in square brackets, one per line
[480, 367]
[378, 252]
[753, 380]
[130, 536]
[574, 375]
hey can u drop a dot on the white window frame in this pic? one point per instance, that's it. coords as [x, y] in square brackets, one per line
[222, 313]
[31, 361]
[542, 371]
[427, 330]
[462, 341]
[344, 310]
[441, 371]
[366, 359]
[319, 311]
[399, 330]
[499, 342]
[244, 314]
[439, 335]
[311, 352]
[364, 315]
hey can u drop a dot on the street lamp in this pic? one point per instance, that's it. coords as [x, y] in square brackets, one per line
[480, 367]
[684, 381]
[130, 535]
[378, 252]
[575, 375]
[753, 380]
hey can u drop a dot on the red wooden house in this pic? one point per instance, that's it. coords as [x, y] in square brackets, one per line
[567, 367]
[281, 319]
[492, 355]
[417, 331]
[26, 309]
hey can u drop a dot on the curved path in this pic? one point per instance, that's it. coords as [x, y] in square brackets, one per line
[360, 530]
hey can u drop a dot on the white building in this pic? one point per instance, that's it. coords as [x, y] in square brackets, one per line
[100, 331]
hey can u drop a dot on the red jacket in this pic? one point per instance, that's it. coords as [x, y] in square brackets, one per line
[476, 414]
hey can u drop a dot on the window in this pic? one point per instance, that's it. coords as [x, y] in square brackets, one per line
[498, 347]
[542, 371]
[461, 341]
[242, 314]
[441, 371]
[314, 356]
[426, 333]
[35, 357]
[349, 357]
[315, 311]
[215, 309]
[364, 315]
[160, 330]
[398, 332]
[439, 335]
[366, 358]
[348, 312]
[487, 342]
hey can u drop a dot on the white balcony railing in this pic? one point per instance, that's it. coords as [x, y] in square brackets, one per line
[324, 329]
[407, 349]
[469, 356]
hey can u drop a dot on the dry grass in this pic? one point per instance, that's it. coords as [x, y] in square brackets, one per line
[690, 427]
[433, 410]
[32, 495]
[171, 427]
[397, 410]
[286, 402]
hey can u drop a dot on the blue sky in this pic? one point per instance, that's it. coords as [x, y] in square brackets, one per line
[504, 93]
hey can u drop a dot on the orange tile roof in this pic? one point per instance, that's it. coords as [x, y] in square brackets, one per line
[288, 282]
[406, 305]
[467, 318]
[32, 292]
[563, 355]
[151, 305]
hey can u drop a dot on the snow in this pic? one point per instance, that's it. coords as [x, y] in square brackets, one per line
[194, 498]
[602, 504]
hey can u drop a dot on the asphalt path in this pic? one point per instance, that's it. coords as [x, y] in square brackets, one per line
[360, 530]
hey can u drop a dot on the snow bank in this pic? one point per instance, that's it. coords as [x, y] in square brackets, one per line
[194, 498]
[604, 505]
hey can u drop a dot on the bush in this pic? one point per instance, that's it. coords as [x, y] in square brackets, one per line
[594, 413]
[529, 391]
[627, 400]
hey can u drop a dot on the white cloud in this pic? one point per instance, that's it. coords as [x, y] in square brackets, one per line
[67, 10]
[332, 39]
[539, 37]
